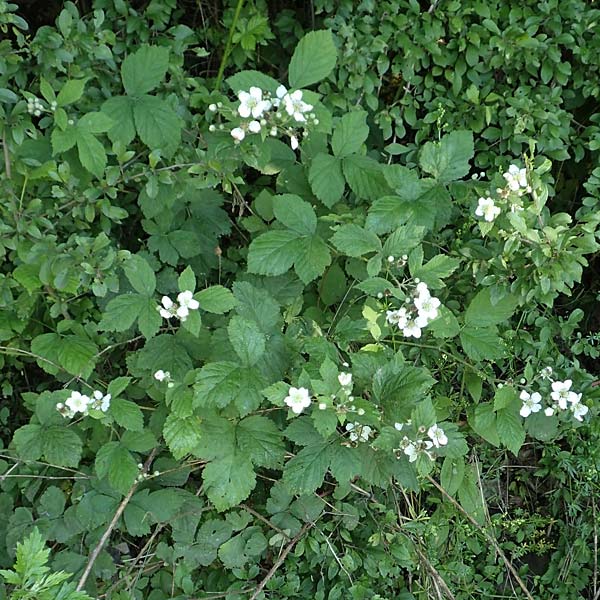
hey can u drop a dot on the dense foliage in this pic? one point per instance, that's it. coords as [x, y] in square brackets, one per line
[299, 302]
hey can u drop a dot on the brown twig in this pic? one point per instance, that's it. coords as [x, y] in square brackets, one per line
[112, 524]
[280, 560]
[489, 538]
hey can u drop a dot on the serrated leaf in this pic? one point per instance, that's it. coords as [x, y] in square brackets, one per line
[510, 428]
[453, 472]
[187, 280]
[138, 441]
[403, 240]
[306, 471]
[29, 442]
[62, 446]
[71, 91]
[326, 178]
[157, 124]
[91, 153]
[127, 414]
[355, 241]
[261, 440]
[244, 80]
[121, 312]
[75, 354]
[95, 122]
[229, 480]
[116, 462]
[365, 177]
[448, 159]
[483, 423]
[120, 109]
[481, 312]
[295, 213]
[63, 140]
[140, 275]
[435, 270]
[144, 70]
[350, 133]
[216, 299]
[182, 435]
[312, 259]
[313, 59]
[247, 340]
[481, 343]
[273, 253]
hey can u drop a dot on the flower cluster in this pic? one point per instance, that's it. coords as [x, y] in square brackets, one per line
[358, 432]
[563, 398]
[80, 403]
[181, 308]
[35, 106]
[412, 449]
[421, 310]
[282, 113]
[516, 179]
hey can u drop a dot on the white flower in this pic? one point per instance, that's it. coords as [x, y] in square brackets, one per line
[280, 94]
[295, 106]
[487, 209]
[412, 329]
[297, 399]
[294, 142]
[422, 289]
[77, 402]
[167, 310]
[345, 379]
[579, 410]
[561, 393]
[437, 436]
[238, 134]
[398, 426]
[273, 131]
[187, 299]
[549, 411]
[212, 107]
[427, 307]
[516, 179]
[397, 317]
[391, 258]
[411, 451]
[531, 403]
[161, 375]
[182, 312]
[252, 103]
[254, 127]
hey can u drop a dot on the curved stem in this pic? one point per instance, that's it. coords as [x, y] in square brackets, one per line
[227, 52]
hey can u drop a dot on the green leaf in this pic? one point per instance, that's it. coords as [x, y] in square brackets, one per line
[364, 176]
[95, 122]
[52, 502]
[62, 446]
[229, 480]
[138, 441]
[63, 140]
[273, 253]
[350, 133]
[157, 124]
[187, 280]
[355, 241]
[436, 269]
[247, 340]
[216, 299]
[510, 428]
[182, 435]
[481, 312]
[121, 312]
[483, 423]
[313, 59]
[71, 92]
[453, 472]
[445, 325]
[116, 462]
[326, 179]
[470, 496]
[259, 438]
[295, 213]
[140, 275]
[29, 442]
[244, 80]
[403, 240]
[144, 70]
[306, 471]
[127, 414]
[76, 355]
[120, 110]
[312, 259]
[481, 343]
[149, 319]
[91, 153]
[448, 159]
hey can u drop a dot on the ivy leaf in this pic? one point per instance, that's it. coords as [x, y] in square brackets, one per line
[448, 159]
[355, 241]
[143, 70]
[273, 253]
[247, 340]
[350, 133]
[326, 179]
[313, 59]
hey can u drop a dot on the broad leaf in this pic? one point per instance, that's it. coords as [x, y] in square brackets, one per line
[350, 133]
[313, 59]
[157, 124]
[143, 70]
[448, 159]
[326, 179]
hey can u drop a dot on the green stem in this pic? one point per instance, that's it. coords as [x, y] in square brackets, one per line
[227, 52]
